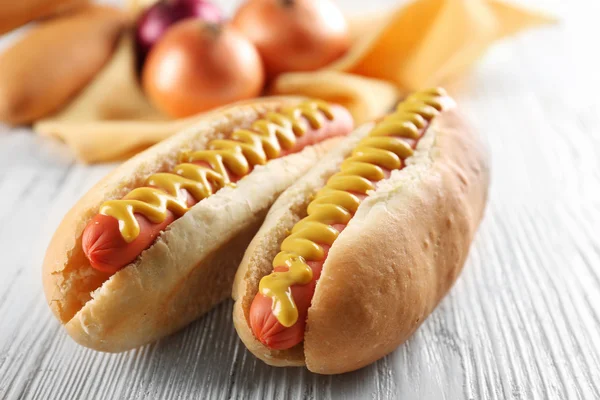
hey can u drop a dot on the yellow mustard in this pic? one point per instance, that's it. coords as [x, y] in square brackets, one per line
[246, 148]
[385, 147]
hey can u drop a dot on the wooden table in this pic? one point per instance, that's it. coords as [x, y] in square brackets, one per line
[523, 321]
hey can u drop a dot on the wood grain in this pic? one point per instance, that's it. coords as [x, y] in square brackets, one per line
[522, 321]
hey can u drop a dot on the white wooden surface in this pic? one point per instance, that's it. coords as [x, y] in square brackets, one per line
[522, 321]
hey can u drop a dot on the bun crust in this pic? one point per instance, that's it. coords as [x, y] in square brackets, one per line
[190, 267]
[392, 264]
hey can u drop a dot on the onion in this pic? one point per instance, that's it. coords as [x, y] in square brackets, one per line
[294, 35]
[197, 66]
[156, 20]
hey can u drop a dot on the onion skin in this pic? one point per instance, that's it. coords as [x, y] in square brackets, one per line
[294, 35]
[156, 20]
[198, 66]
[202, 9]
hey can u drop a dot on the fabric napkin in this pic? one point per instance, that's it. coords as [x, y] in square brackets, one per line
[422, 43]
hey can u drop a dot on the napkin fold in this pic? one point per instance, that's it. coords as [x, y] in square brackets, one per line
[429, 41]
[423, 43]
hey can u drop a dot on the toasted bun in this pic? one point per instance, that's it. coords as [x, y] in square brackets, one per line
[392, 264]
[190, 267]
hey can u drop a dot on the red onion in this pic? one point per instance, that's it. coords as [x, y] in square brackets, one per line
[202, 9]
[157, 19]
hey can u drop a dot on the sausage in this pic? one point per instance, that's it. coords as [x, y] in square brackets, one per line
[105, 247]
[107, 250]
[265, 326]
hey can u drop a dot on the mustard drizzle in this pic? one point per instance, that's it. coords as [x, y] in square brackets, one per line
[336, 203]
[245, 148]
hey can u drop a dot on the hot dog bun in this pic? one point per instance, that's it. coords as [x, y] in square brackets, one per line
[191, 266]
[16, 13]
[392, 264]
[53, 61]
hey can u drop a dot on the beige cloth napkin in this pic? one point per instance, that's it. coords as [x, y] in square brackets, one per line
[424, 43]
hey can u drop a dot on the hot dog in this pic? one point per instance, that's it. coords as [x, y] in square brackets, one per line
[156, 243]
[109, 251]
[352, 258]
